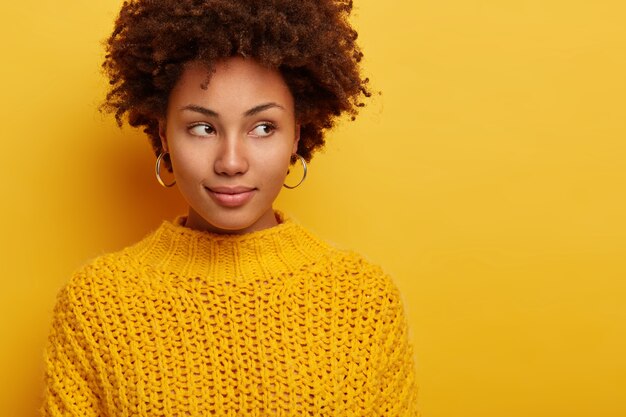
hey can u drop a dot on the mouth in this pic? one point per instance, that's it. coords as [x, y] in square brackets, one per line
[231, 196]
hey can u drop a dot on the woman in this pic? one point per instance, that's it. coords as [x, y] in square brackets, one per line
[232, 309]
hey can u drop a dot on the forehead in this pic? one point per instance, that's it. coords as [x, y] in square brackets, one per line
[234, 84]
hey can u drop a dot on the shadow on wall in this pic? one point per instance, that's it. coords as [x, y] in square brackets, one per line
[108, 199]
[121, 196]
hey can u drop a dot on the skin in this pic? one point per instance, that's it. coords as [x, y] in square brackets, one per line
[230, 143]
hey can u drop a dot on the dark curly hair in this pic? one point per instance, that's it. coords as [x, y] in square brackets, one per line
[310, 42]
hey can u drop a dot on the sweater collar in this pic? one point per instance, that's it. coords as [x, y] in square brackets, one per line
[275, 251]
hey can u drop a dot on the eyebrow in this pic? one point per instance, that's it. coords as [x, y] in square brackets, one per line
[200, 109]
[208, 112]
[262, 107]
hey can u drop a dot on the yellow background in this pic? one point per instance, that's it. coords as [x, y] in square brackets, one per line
[489, 179]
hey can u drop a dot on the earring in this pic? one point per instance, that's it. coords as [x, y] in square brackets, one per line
[304, 167]
[157, 170]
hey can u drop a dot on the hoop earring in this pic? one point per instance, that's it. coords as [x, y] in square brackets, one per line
[304, 167]
[157, 171]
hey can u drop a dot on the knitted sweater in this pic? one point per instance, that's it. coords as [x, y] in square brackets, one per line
[189, 323]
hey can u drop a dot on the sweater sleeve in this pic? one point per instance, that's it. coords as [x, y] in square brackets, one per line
[70, 387]
[395, 382]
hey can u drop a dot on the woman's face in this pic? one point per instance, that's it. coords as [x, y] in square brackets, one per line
[230, 143]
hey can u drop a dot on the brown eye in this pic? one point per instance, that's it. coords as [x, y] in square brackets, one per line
[201, 129]
[263, 130]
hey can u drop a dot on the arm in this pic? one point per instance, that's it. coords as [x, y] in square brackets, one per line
[394, 381]
[70, 380]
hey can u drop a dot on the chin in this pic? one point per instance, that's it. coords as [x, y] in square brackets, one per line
[229, 222]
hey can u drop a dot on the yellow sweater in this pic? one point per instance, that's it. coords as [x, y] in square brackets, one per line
[189, 323]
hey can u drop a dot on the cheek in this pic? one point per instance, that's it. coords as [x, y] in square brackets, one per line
[276, 164]
[188, 166]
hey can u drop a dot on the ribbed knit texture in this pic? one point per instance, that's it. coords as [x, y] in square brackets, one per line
[189, 323]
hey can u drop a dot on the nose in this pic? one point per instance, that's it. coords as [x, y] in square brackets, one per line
[231, 158]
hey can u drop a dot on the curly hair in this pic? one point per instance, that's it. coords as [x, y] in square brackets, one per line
[310, 42]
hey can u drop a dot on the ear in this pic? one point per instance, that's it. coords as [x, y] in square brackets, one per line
[162, 135]
[296, 140]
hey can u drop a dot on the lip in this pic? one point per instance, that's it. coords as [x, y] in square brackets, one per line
[231, 196]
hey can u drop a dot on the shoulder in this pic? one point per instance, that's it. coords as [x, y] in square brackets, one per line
[101, 280]
[102, 270]
[353, 272]
[361, 293]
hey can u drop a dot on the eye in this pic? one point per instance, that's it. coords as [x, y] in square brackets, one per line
[263, 129]
[201, 129]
